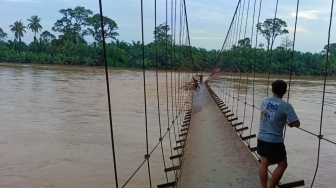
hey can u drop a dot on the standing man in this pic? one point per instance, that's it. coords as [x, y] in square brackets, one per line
[195, 83]
[201, 78]
[274, 115]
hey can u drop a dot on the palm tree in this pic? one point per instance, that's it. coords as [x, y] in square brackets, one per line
[18, 28]
[34, 25]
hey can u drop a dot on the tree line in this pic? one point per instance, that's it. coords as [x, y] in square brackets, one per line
[76, 25]
[242, 57]
[71, 48]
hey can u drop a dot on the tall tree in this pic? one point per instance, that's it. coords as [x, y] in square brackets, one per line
[286, 43]
[18, 28]
[244, 42]
[70, 25]
[332, 49]
[109, 27]
[3, 35]
[161, 34]
[271, 28]
[34, 25]
[47, 37]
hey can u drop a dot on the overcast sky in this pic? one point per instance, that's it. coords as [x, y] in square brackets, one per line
[208, 19]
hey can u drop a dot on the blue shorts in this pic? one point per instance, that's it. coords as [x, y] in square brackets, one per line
[274, 152]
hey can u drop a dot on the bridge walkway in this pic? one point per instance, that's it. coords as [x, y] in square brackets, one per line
[214, 155]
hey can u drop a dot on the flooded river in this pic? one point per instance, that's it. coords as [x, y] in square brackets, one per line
[54, 129]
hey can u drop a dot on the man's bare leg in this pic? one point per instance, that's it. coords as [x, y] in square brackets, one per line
[278, 172]
[263, 172]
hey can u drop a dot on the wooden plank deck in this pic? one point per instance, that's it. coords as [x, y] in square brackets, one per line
[214, 155]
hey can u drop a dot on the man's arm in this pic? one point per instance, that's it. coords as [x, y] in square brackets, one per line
[294, 123]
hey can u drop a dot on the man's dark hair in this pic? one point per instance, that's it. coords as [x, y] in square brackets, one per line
[279, 87]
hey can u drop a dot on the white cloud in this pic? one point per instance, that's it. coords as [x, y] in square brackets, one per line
[298, 29]
[308, 14]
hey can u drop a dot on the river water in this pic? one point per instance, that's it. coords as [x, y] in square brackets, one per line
[54, 129]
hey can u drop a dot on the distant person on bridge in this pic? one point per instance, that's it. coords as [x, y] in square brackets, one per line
[274, 115]
[196, 83]
[201, 78]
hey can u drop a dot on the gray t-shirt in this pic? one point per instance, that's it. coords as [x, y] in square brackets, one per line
[274, 115]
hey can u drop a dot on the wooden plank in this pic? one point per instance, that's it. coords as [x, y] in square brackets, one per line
[169, 184]
[237, 124]
[227, 111]
[229, 115]
[180, 141]
[185, 125]
[292, 184]
[183, 134]
[176, 156]
[178, 147]
[185, 129]
[185, 121]
[248, 137]
[233, 119]
[224, 108]
[172, 168]
[241, 129]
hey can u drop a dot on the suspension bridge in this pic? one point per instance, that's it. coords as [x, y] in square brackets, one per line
[212, 129]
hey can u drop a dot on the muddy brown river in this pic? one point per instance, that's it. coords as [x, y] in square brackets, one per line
[54, 126]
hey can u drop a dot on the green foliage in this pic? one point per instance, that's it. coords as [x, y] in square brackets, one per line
[34, 25]
[3, 35]
[70, 48]
[246, 59]
[109, 27]
[18, 29]
[271, 28]
[70, 25]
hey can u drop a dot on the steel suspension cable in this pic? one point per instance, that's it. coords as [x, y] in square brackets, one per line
[175, 65]
[180, 65]
[248, 56]
[241, 23]
[145, 97]
[147, 156]
[157, 88]
[292, 57]
[108, 93]
[293, 50]
[271, 50]
[172, 67]
[234, 42]
[222, 52]
[168, 129]
[188, 35]
[323, 97]
[254, 63]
